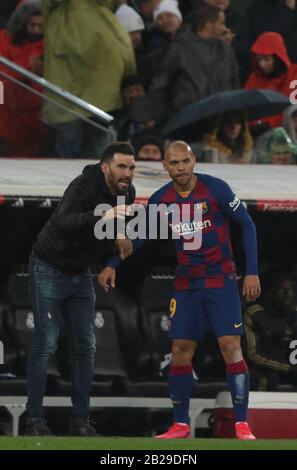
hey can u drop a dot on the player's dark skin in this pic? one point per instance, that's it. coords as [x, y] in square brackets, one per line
[179, 162]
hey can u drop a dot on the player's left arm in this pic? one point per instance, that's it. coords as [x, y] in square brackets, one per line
[235, 210]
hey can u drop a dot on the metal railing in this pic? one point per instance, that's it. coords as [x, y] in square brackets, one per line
[57, 91]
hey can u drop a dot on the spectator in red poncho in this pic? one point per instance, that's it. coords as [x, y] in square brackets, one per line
[273, 69]
[21, 130]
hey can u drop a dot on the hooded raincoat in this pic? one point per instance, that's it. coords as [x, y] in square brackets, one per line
[88, 53]
[272, 44]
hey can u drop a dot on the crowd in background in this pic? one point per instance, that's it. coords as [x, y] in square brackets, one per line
[143, 61]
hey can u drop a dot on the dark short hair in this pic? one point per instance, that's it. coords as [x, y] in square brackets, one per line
[205, 14]
[130, 81]
[146, 138]
[279, 67]
[117, 147]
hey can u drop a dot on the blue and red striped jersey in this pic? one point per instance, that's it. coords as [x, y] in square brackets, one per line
[208, 265]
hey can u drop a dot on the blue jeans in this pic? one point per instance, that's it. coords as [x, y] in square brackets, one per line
[53, 292]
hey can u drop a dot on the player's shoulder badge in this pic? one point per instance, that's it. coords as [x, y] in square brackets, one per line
[202, 206]
[235, 203]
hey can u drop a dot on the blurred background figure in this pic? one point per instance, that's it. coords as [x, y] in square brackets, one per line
[148, 147]
[167, 19]
[88, 53]
[127, 126]
[270, 326]
[146, 9]
[198, 63]
[241, 6]
[237, 33]
[132, 22]
[158, 39]
[290, 122]
[273, 70]
[131, 88]
[21, 130]
[275, 147]
[231, 138]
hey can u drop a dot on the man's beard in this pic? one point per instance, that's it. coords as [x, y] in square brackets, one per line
[115, 187]
[36, 37]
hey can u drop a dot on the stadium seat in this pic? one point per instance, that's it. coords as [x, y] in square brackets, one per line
[110, 359]
[109, 367]
[21, 326]
[133, 346]
[20, 323]
[154, 301]
[134, 349]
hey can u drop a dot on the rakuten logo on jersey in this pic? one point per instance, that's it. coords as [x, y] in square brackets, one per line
[235, 204]
[189, 228]
[183, 221]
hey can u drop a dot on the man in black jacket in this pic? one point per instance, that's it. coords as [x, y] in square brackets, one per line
[197, 65]
[60, 276]
[239, 26]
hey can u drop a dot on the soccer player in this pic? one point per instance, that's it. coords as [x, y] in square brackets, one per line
[205, 284]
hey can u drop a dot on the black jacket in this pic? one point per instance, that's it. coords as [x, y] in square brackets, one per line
[268, 337]
[194, 69]
[67, 241]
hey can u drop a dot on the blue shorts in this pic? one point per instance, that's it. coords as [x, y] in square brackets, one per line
[192, 310]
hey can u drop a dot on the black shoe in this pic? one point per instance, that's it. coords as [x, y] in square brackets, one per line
[80, 426]
[37, 427]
